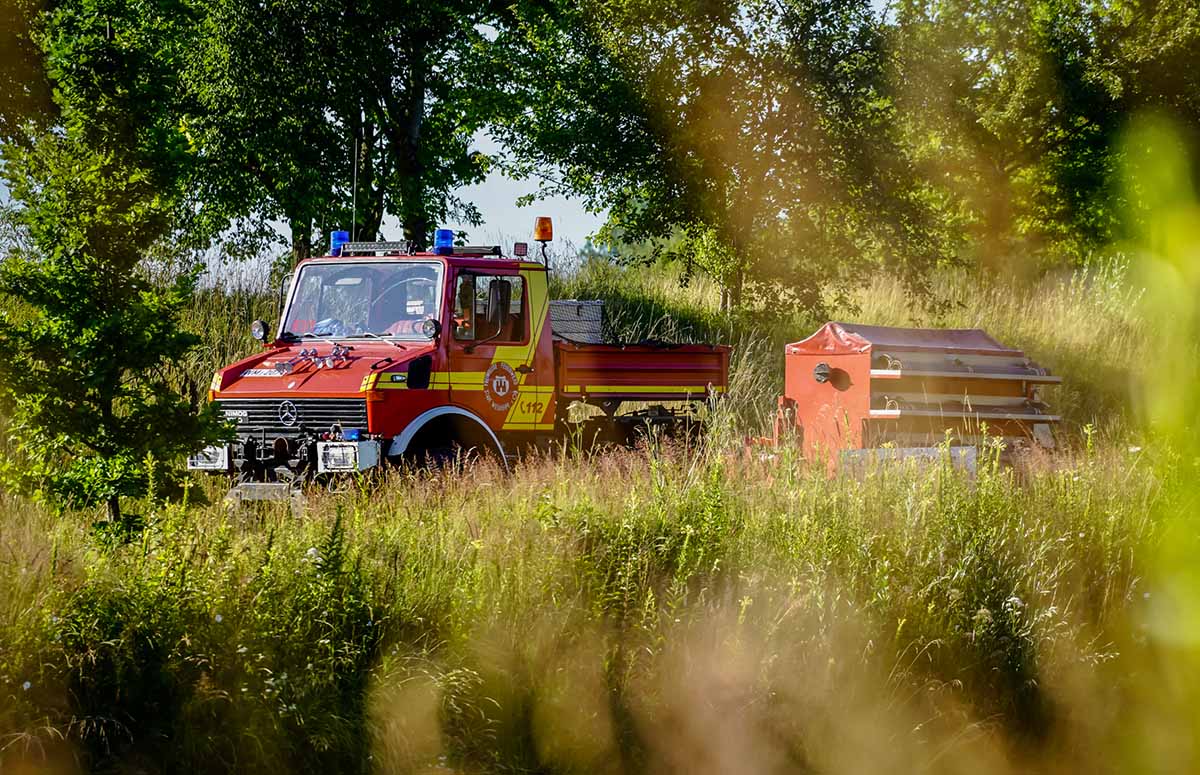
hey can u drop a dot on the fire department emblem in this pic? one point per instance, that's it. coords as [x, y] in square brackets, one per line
[500, 386]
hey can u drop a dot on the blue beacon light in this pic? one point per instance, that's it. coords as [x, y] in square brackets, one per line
[443, 242]
[336, 240]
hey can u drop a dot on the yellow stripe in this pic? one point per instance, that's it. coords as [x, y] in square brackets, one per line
[646, 389]
[459, 380]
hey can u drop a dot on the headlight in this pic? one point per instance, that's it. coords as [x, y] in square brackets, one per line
[347, 455]
[339, 457]
[210, 459]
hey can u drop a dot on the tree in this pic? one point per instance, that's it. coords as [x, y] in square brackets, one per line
[86, 336]
[1016, 110]
[316, 114]
[323, 113]
[753, 140]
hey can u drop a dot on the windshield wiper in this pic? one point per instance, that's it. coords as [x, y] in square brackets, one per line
[392, 342]
[290, 336]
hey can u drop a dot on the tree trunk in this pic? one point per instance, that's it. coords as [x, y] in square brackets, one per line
[370, 196]
[301, 239]
[414, 215]
[107, 421]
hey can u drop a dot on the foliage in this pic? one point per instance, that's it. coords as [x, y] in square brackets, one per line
[117, 73]
[803, 145]
[24, 89]
[1017, 109]
[754, 141]
[85, 337]
[257, 113]
[310, 99]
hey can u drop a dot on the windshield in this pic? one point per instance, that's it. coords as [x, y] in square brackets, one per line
[391, 299]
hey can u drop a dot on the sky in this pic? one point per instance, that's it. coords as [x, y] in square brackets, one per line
[504, 222]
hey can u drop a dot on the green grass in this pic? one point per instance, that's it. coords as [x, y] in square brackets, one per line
[660, 610]
[639, 611]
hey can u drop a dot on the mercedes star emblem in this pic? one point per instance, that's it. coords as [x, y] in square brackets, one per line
[288, 413]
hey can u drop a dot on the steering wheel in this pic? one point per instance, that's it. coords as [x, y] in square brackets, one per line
[397, 284]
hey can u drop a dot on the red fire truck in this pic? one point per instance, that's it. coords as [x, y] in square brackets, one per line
[383, 354]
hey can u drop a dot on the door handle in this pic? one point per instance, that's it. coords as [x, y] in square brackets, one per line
[523, 369]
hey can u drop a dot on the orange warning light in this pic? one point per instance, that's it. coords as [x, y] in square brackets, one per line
[543, 229]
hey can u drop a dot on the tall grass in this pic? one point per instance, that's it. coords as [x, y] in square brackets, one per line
[646, 611]
[1088, 326]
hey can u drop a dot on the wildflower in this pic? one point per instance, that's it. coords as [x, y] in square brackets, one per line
[27, 686]
[242, 650]
[1134, 450]
[218, 618]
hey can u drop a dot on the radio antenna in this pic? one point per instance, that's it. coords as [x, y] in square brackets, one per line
[354, 194]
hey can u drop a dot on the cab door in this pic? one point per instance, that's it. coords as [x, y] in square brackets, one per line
[489, 318]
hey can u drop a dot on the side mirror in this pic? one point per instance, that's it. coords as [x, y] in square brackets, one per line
[431, 328]
[259, 330]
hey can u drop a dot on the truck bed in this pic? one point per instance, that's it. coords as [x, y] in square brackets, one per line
[641, 372]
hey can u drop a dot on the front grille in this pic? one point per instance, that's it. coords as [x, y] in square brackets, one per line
[255, 416]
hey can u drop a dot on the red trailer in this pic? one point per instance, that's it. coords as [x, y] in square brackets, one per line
[384, 354]
[851, 386]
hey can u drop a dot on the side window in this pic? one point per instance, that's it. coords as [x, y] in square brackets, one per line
[489, 307]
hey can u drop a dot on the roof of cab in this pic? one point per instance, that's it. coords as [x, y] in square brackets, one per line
[469, 260]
